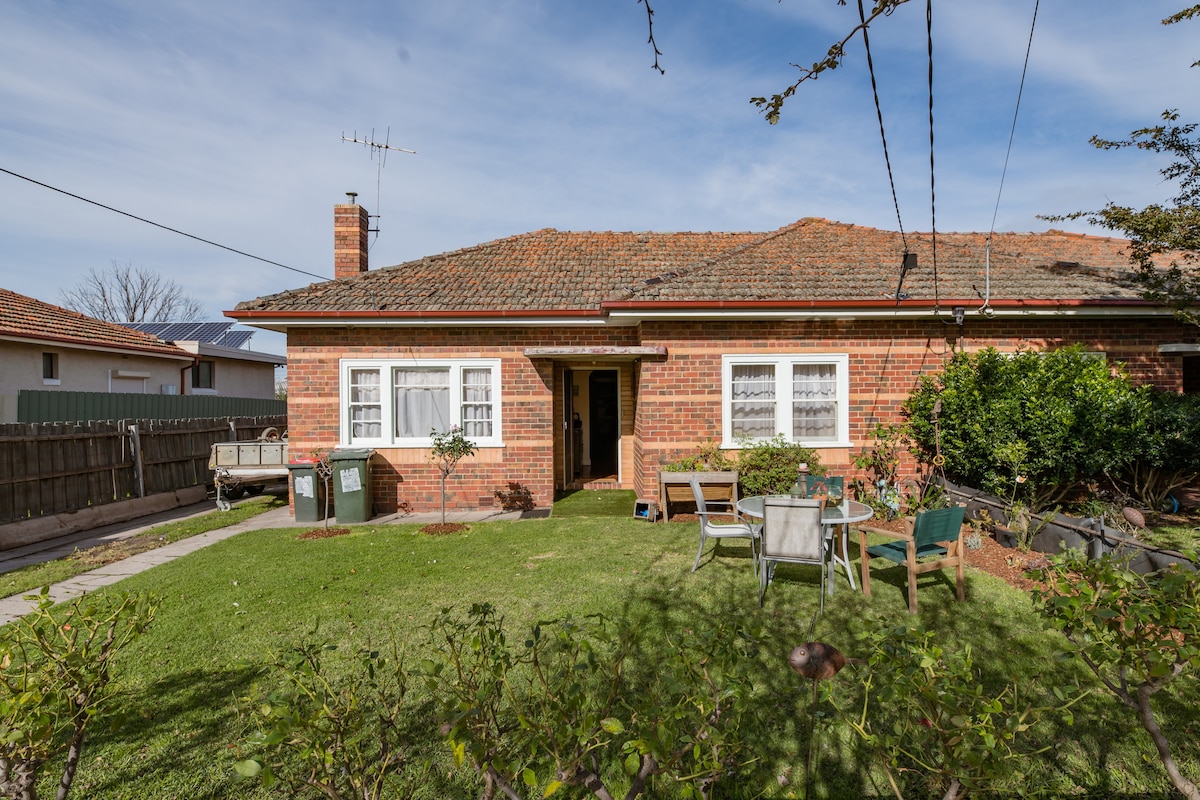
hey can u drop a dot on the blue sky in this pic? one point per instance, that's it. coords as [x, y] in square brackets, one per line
[224, 120]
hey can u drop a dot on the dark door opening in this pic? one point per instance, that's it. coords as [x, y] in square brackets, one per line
[604, 413]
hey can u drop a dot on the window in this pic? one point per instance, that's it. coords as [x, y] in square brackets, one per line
[401, 402]
[802, 397]
[50, 369]
[204, 375]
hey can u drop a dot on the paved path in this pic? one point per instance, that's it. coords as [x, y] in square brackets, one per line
[16, 606]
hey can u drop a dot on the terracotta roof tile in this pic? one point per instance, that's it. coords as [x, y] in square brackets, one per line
[815, 259]
[811, 259]
[27, 318]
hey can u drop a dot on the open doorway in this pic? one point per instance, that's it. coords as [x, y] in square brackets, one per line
[592, 423]
[604, 412]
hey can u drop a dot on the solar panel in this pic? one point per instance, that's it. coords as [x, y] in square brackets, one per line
[217, 333]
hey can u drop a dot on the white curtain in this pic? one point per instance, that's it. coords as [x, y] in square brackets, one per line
[814, 402]
[366, 413]
[422, 402]
[477, 403]
[752, 408]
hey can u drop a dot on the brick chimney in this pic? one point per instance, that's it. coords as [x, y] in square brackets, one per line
[349, 238]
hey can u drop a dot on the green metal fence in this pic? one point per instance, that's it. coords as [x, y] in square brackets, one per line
[36, 405]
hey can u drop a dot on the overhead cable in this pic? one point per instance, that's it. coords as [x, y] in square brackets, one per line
[164, 227]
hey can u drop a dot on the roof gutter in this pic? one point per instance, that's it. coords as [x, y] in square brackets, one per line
[876, 309]
[281, 320]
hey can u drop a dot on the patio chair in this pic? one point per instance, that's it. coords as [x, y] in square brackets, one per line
[935, 533]
[722, 524]
[791, 534]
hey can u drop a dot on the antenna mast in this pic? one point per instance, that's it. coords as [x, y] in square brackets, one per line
[379, 152]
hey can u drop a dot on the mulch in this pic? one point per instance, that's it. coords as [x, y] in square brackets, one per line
[323, 533]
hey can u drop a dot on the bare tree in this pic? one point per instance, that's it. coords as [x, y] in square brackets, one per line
[124, 293]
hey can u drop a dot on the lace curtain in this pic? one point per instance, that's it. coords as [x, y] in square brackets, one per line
[814, 402]
[752, 412]
[477, 403]
[422, 402]
[366, 409]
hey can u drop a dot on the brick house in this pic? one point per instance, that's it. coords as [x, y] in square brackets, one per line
[588, 359]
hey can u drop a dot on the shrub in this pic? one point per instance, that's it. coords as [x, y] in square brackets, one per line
[709, 458]
[1136, 633]
[342, 736]
[926, 714]
[1032, 425]
[559, 707]
[55, 678]
[770, 467]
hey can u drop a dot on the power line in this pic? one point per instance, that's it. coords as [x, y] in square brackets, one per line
[932, 193]
[1012, 132]
[987, 244]
[164, 227]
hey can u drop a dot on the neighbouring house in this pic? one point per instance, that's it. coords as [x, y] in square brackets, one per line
[224, 363]
[589, 359]
[45, 347]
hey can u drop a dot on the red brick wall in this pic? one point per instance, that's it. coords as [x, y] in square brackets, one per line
[669, 407]
[532, 410]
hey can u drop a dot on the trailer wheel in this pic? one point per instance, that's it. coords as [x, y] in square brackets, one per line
[223, 504]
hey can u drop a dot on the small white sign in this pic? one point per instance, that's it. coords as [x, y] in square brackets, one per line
[304, 485]
[350, 481]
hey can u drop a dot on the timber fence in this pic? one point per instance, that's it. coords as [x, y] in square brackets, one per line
[59, 467]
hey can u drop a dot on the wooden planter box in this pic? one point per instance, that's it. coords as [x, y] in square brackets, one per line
[674, 488]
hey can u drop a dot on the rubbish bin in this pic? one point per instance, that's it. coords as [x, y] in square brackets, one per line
[308, 490]
[352, 485]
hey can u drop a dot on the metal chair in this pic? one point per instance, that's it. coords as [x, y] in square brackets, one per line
[832, 487]
[712, 528]
[791, 534]
[930, 533]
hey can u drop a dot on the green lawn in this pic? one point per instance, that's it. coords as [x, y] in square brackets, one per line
[229, 606]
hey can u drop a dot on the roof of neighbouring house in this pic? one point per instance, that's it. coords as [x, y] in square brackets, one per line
[812, 260]
[25, 318]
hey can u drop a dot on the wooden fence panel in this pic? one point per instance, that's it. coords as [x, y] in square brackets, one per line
[52, 468]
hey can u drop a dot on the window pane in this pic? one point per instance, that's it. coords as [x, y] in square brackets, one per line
[366, 412]
[752, 408]
[422, 402]
[202, 375]
[477, 402]
[814, 401]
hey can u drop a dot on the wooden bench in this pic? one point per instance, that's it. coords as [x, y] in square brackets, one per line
[675, 487]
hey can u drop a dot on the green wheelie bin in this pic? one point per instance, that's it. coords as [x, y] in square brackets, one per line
[352, 500]
[308, 490]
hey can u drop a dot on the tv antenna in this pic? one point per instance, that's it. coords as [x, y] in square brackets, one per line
[379, 155]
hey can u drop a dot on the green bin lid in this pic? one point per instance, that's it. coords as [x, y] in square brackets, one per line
[351, 455]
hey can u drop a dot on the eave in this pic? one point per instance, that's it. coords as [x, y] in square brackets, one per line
[625, 313]
[84, 344]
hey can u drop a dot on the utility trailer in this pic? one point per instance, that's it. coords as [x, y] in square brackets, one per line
[246, 467]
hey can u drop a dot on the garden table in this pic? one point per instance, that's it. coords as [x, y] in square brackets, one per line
[843, 514]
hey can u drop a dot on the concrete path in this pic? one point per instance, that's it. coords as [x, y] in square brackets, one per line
[16, 606]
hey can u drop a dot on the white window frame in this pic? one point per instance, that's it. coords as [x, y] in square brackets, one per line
[783, 364]
[387, 367]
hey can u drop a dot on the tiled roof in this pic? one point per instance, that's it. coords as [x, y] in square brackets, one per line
[812, 259]
[819, 260]
[27, 318]
[546, 270]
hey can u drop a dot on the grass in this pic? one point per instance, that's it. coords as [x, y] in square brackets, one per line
[228, 607]
[27, 579]
[595, 503]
